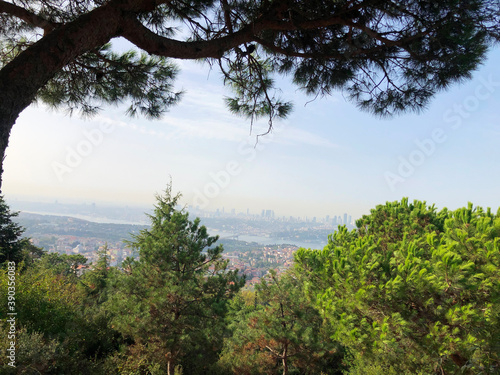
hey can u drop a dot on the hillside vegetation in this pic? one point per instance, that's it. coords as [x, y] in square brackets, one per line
[411, 290]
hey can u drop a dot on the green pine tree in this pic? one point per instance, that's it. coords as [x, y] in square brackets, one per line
[282, 333]
[172, 301]
[412, 290]
[11, 243]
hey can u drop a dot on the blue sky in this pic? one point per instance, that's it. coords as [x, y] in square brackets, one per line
[327, 158]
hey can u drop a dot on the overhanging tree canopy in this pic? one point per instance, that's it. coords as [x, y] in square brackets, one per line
[387, 56]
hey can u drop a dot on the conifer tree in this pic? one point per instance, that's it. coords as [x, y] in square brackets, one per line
[282, 333]
[97, 279]
[11, 244]
[387, 56]
[172, 302]
[412, 290]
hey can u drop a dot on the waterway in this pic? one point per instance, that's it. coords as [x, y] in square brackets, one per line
[261, 240]
[94, 219]
[264, 240]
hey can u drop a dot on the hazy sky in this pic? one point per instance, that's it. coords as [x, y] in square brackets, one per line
[327, 158]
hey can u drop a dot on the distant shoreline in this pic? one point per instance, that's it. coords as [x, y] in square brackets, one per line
[261, 240]
[98, 220]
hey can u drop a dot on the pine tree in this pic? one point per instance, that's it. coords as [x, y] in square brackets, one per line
[413, 290]
[97, 279]
[386, 56]
[11, 243]
[172, 302]
[282, 333]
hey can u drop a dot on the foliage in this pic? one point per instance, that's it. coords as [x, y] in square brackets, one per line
[413, 289]
[96, 281]
[31, 253]
[11, 245]
[62, 264]
[60, 325]
[54, 334]
[281, 332]
[172, 301]
[105, 77]
[45, 302]
[36, 354]
[386, 56]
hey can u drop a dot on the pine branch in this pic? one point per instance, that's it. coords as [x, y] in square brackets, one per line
[27, 16]
[142, 37]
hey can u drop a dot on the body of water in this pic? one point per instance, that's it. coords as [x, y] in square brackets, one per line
[94, 219]
[263, 240]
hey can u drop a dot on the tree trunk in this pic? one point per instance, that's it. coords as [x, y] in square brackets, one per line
[458, 359]
[6, 123]
[285, 360]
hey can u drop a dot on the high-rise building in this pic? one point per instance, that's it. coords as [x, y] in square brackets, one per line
[269, 214]
[345, 219]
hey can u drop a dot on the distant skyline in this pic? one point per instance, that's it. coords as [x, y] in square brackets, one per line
[107, 212]
[327, 158]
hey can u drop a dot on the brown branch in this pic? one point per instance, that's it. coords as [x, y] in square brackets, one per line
[142, 37]
[319, 55]
[276, 354]
[27, 16]
[326, 22]
[227, 16]
[331, 21]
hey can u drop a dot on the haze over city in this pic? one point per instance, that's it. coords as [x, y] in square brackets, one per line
[327, 158]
